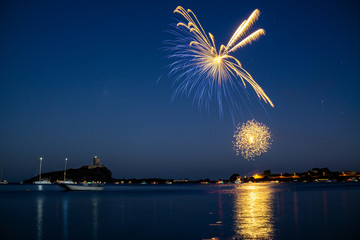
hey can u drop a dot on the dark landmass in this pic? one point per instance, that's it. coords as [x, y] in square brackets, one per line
[83, 174]
[314, 175]
[99, 173]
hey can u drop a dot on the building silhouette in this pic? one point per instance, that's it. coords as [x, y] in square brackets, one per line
[96, 163]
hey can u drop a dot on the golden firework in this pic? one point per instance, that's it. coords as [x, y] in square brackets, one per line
[251, 139]
[210, 63]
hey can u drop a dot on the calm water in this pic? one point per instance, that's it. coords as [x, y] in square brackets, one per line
[245, 211]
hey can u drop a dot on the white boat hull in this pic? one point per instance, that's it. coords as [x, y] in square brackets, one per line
[65, 182]
[84, 187]
[42, 182]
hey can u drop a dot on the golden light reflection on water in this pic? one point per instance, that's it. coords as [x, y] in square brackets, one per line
[254, 214]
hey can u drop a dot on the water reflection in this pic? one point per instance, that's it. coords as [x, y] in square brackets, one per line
[95, 203]
[39, 217]
[325, 207]
[220, 206]
[296, 208]
[65, 217]
[254, 214]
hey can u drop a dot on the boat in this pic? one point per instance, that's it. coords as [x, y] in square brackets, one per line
[83, 187]
[323, 180]
[41, 181]
[352, 180]
[65, 181]
[1, 180]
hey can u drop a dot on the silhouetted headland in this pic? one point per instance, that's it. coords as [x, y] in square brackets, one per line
[91, 173]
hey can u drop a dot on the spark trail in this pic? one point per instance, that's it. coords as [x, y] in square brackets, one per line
[209, 73]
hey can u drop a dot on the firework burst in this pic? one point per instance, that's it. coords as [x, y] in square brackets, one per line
[209, 73]
[251, 139]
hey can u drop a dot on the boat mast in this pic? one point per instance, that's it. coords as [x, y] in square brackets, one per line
[65, 169]
[40, 169]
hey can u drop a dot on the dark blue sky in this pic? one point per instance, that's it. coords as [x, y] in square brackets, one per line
[79, 79]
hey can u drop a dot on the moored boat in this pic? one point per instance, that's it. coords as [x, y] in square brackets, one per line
[82, 187]
[1, 180]
[41, 181]
[65, 182]
[323, 180]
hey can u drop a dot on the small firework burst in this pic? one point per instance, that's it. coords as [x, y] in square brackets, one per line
[251, 139]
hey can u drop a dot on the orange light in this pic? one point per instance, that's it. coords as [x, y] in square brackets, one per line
[256, 176]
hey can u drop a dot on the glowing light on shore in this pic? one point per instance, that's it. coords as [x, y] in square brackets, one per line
[252, 139]
[207, 72]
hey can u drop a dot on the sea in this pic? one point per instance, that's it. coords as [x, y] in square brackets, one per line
[182, 211]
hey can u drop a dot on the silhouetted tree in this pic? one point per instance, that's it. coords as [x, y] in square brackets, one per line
[234, 177]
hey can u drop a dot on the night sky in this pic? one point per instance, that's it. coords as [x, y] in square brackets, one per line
[85, 78]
